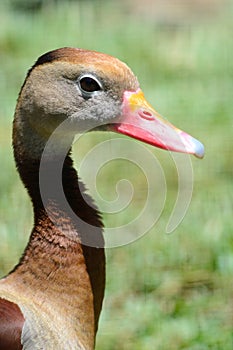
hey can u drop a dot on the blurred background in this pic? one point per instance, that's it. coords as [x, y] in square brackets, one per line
[164, 291]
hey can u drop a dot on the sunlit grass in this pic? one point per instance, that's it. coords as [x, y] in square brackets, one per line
[163, 291]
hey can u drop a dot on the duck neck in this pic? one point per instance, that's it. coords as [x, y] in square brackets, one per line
[66, 242]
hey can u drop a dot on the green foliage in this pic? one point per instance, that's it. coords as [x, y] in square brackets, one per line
[163, 291]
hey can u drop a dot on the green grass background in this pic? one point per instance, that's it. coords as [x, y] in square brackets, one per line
[163, 291]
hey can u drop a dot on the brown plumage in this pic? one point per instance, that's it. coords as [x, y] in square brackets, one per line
[12, 321]
[53, 297]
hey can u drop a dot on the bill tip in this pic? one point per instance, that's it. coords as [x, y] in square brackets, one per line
[199, 149]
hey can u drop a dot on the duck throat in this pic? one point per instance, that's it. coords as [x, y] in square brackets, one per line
[65, 254]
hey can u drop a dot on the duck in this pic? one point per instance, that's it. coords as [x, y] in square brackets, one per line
[53, 297]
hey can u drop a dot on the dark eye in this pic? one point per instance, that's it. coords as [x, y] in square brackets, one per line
[89, 84]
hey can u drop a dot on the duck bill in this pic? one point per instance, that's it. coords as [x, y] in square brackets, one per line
[140, 121]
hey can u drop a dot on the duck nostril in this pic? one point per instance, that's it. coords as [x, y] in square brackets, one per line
[146, 115]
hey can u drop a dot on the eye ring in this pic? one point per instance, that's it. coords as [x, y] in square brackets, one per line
[89, 85]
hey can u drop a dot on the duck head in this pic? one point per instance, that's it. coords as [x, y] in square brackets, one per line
[89, 90]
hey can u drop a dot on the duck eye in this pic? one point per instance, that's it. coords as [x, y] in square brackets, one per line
[89, 84]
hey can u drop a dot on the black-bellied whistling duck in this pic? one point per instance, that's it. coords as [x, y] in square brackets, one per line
[53, 297]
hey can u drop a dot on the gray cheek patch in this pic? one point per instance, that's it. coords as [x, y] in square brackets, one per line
[98, 112]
